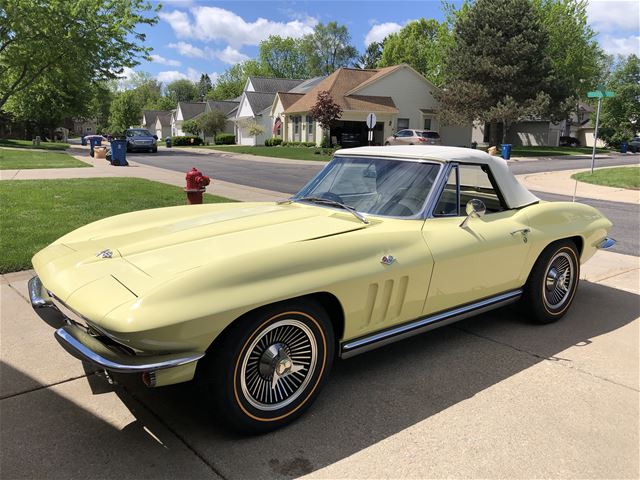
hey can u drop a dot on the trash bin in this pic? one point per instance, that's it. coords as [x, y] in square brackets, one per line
[168, 142]
[83, 141]
[119, 153]
[94, 142]
[624, 146]
[506, 151]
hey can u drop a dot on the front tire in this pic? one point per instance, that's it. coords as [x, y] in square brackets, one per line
[268, 368]
[552, 283]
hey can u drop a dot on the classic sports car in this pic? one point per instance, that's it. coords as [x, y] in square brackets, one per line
[255, 300]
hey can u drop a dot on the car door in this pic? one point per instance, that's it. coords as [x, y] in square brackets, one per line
[481, 259]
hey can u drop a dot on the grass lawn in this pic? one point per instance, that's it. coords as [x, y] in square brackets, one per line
[553, 151]
[27, 144]
[34, 213]
[293, 153]
[20, 160]
[628, 177]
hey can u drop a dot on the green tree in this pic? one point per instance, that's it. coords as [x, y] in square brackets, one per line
[191, 126]
[182, 90]
[231, 83]
[97, 37]
[423, 45]
[575, 56]
[204, 85]
[212, 122]
[620, 115]
[328, 48]
[125, 112]
[283, 57]
[326, 111]
[371, 56]
[497, 68]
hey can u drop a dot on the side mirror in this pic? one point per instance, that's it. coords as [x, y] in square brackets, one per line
[475, 208]
[155, 137]
[395, 135]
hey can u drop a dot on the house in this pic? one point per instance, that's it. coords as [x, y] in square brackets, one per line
[85, 126]
[228, 107]
[256, 104]
[185, 111]
[399, 96]
[162, 127]
[149, 118]
[530, 133]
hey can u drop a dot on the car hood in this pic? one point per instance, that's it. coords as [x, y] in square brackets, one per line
[147, 248]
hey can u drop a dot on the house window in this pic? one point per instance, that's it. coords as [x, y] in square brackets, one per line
[296, 124]
[309, 120]
[403, 123]
[427, 123]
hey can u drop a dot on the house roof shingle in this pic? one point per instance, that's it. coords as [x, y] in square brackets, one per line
[191, 109]
[273, 85]
[339, 84]
[225, 106]
[150, 116]
[289, 98]
[164, 117]
[259, 101]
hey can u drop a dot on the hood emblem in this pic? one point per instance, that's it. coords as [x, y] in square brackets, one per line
[105, 254]
[387, 260]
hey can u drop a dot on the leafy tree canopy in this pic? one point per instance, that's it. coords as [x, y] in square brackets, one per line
[182, 90]
[328, 48]
[371, 56]
[283, 57]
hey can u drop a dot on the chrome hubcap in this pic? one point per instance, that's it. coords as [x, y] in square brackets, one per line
[278, 365]
[558, 280]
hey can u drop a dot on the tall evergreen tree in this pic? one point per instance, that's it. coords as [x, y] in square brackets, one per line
[371, 56]
[204, 85]
[497, 67]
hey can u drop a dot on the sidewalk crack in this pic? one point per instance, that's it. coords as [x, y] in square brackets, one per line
[41, 387]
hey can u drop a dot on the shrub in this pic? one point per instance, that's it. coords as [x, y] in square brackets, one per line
[310, 144]
[285, 144]
[185, 140]
[272, 142]
[225, 139]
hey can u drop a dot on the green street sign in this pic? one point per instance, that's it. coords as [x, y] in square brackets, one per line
[600, 94]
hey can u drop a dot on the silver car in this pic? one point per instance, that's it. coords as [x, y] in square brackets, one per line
[414, 137]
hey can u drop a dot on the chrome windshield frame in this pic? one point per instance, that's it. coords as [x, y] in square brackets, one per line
[427, 206]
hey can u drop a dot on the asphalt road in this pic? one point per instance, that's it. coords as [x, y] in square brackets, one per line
[289, 178]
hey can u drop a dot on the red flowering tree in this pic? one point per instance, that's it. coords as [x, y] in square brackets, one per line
[326, 111]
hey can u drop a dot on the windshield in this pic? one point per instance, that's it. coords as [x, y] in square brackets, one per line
[430, 135]
[138, 133]
[374, 186]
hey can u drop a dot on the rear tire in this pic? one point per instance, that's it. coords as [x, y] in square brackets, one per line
[552, 283]
[292, 341]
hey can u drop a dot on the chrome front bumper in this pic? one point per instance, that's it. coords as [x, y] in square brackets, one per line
[76, 340]
[606, 243]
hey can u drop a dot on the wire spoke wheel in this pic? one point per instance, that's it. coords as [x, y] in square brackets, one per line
[278, 365]
[558, 281]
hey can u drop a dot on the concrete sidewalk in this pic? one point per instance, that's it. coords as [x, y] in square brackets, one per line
[102, 168]
[490, 397]
[561, 183]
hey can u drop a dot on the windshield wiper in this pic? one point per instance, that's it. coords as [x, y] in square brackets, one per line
[335, 203]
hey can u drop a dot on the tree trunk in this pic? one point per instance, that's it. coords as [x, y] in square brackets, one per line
[493, 133]
[505, 129]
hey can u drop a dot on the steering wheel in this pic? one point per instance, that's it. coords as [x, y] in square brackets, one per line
[331, 196]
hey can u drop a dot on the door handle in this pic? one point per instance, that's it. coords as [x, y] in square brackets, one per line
[524, 232]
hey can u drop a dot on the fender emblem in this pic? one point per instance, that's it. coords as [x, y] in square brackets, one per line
[105, 254]
[387, 259]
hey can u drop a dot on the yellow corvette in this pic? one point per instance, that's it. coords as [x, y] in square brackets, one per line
[255, 300]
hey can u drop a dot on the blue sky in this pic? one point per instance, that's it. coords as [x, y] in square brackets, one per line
[201, 36]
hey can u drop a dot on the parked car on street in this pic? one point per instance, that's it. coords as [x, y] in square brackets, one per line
[256, 300]
[141, 139]
[569, 142]
[634, 144]
[414, 137]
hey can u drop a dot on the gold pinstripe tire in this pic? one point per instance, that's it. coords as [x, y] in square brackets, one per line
[269, 366]
[552, 283]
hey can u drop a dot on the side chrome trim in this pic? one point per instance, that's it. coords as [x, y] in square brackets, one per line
[75, 341]
[606, 243]
[378, 339]
[38, 296]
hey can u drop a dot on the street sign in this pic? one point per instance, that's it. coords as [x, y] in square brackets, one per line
[371, 120]
[370, 136]
[601, 94]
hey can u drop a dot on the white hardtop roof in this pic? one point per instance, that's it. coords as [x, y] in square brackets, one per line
[514, 193]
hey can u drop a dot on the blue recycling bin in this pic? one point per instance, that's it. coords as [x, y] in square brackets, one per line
[168, 142]
[83, 141]
[506, 151]
[624, 146]
[94, 142]
[119, 153]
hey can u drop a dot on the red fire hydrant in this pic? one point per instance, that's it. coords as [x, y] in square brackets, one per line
[196, 185]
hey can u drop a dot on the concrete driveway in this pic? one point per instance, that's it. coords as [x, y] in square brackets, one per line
[491, 397]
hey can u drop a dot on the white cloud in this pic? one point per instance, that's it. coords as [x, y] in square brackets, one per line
[188, 50]
[170, 75]
[620, 45]
[229, 55]
[193, 74]
[614, 15]
[218, 24]
[165, 61]
[179, 22]
[377, 33]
